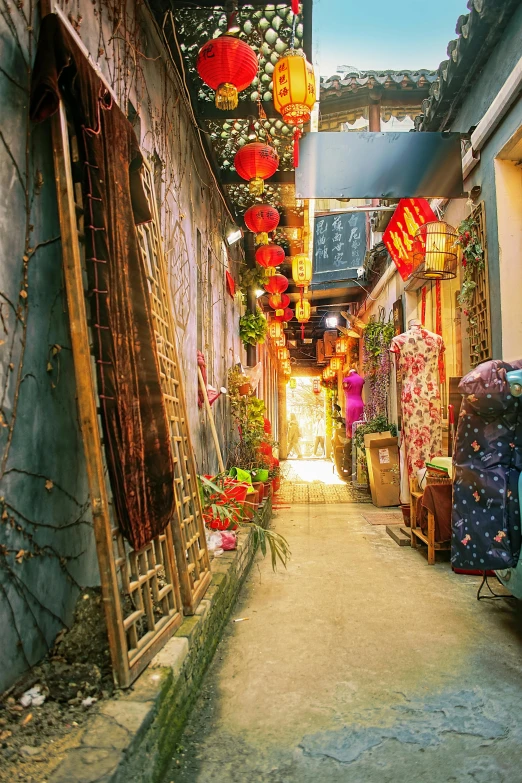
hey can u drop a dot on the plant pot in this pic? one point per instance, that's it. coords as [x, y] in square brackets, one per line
[268, 488]
[243, 476]
[236, 491]
[260, 474]
[276, 484]
[406, 514]
[245, 389]
[249, 509]
[260, 489]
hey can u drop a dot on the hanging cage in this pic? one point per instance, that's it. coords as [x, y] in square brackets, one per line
[436, 255]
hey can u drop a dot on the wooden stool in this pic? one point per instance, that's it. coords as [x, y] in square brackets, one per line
[416, 531]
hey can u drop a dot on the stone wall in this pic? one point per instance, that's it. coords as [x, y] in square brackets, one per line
[47, 548]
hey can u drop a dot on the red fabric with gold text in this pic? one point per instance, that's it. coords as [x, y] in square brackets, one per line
[399, 237]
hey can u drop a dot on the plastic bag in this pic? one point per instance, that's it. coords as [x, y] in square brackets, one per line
[228, 540]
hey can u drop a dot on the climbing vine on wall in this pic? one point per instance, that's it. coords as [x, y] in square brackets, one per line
[377, 338]
[40, 515]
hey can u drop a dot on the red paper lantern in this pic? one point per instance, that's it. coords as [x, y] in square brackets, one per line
[256, 162]
[278, 301]
[228, 65]
[270, 255]
[260, 219]
[277, 284]
[285, 316]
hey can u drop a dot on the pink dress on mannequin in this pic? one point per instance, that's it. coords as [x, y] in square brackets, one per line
[353, 386]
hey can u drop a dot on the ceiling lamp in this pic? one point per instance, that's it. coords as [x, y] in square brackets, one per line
[228, 65]
[261, 219]
[278, 301]
[302, 271]
[316, 386]
[437, 259]
[256, 162]
[342, 346]
[270, 255]
[282, 354]
[294, 88]
[293, 381]
[275, 330]
[277, 284]
[336, 363]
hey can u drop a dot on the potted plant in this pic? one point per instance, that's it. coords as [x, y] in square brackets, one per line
[223, 513]
[275, 476]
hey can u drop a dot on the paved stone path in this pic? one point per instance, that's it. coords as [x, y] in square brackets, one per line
[358, 664]
[315, 481]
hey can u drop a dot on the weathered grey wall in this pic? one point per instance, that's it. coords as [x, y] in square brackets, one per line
[51, 521]
[493, 76]
[46, 539]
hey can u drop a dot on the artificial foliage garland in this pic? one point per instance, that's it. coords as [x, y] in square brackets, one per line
[378, 335]
[252, 328]
[472, 263]
[252, 277]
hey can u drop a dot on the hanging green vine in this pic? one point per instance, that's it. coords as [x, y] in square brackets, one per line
[252, 328]
[378, 335]
[472, 262]
[252, 277]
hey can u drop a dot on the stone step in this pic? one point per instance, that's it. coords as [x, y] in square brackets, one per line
[400, 538]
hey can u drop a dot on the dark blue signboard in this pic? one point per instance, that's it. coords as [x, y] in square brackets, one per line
[339, 246]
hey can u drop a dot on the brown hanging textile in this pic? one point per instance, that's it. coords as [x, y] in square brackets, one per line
[133, 416]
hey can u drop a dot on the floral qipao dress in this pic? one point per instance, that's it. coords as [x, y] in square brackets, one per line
[418, 353]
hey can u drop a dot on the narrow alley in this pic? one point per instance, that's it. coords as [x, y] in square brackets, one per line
[260, 391]
[358, 663]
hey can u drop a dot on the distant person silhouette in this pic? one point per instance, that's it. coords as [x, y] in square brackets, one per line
[294, 433]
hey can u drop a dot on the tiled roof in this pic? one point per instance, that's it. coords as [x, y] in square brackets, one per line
[385, 80]
[478, 32]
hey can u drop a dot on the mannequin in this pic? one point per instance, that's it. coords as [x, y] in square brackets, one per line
[418, 351]
[353, 385]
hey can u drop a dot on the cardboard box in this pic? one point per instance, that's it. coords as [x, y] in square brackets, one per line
[382, 457]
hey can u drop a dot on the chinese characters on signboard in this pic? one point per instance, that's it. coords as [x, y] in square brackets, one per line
[399, 237]
[339, 246]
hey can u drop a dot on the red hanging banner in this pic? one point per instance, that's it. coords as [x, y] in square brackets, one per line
[423, 305]
[399, 237]
[438, 327]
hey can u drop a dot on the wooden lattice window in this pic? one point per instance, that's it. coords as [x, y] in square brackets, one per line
[479, 312]
[188, 528]
[141, 589]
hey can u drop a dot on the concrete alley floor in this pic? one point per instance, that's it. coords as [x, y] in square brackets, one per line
[359, 663]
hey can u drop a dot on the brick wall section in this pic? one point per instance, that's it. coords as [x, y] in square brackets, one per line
[132, 737]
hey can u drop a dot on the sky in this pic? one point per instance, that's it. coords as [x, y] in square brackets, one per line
[383, 34]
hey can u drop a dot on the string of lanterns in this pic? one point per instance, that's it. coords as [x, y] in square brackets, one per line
[229, 65]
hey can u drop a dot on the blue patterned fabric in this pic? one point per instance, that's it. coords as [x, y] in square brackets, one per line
[488, 460]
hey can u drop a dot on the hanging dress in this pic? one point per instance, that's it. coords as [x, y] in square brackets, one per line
[418, 352]
[353, 385]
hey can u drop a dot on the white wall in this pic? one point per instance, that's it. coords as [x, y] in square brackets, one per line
[508, 180]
